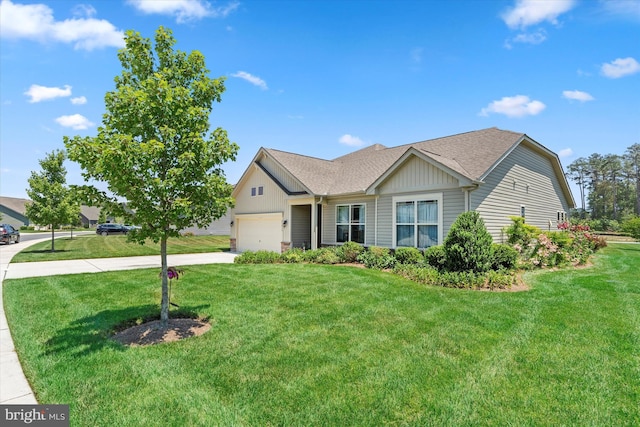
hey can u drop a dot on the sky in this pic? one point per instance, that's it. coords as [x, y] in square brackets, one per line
[325, 77]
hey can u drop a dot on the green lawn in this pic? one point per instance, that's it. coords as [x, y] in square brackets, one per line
[333, 345]
[94, 246]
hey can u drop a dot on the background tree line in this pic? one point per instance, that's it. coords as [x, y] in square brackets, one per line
[609, 186]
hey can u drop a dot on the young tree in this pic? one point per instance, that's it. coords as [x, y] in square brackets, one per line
[154, 148]
[53, 203]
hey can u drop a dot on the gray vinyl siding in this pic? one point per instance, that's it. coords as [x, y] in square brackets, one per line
[301, 226]
[526, 178]
[281, 175]
[452, 206]
[329, 218]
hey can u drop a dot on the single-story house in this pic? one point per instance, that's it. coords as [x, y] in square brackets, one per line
[13, 211]
[408, 195]
[89, 215]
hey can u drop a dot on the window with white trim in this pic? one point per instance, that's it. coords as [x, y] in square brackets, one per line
[417, 221]
[350, 223]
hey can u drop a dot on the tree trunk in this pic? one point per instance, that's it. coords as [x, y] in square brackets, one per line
[53, 232]
[164, 307]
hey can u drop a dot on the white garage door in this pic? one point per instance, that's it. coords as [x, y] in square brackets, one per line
[259, 232]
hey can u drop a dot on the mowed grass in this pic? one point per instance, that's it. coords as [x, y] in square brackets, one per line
[94, 246]
[338, 346]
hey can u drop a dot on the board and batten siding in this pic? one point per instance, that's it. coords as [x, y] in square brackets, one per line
[272, 200]
[523, 178]
[281, 175]
[417, 175]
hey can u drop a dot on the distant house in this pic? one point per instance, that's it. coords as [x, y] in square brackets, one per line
[400, 196]
[89, 215]
[14, 211]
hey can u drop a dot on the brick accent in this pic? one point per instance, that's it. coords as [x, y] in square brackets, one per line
[232, 245]
[284, 246]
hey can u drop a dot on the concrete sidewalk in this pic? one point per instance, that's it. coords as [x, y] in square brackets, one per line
[14, 387]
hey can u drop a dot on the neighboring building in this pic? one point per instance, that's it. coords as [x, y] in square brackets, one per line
[89, 216]
[219, 227]
[13, 211]
[401, 196]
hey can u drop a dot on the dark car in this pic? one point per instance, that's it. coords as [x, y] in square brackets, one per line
[9, 234]
[106, 229]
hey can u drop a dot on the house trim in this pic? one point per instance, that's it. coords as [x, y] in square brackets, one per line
[462, 180]
[438, 197]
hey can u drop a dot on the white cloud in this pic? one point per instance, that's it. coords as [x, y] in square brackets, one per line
[565, 152]
[536, 37]
[42, 93]
[628, 9]
[514, 106]
[84, 10]
[620, 67]
[75, 121]
[577, 95]
[184, 10]
[351, 141]
[531, 12]
[79, 100]
[36, 22]
[254, 80]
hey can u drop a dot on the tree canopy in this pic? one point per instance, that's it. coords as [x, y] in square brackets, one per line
[155, 151]
[609, 183]
[52, 201]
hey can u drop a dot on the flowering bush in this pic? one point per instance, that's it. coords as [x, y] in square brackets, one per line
[572, 245]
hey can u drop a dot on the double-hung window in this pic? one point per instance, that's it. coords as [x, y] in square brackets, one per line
[417, 220]
[350, 223]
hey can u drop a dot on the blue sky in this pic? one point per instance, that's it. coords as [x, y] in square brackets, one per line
[324, 78]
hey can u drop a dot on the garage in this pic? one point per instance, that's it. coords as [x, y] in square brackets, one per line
[257, 232]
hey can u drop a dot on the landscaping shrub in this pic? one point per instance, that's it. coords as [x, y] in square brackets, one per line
[409, 256]
[350, 251]
[460, 279]
[327, 256]
[503, 257]
[435, 257]
[377, 257]
[520, 233]
[27, 228]
[560, 238]
[419, 274]
[258, 257]
[468, 244]
[632, 227]
[499, 279]
[293, 256]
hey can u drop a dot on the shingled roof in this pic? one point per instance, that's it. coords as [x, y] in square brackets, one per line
[471, 155]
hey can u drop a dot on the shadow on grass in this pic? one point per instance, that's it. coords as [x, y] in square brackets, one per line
[47, 251]
[93, 333]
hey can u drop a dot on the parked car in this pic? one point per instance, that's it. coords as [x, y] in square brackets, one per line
[9, 234]
[106, 229]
